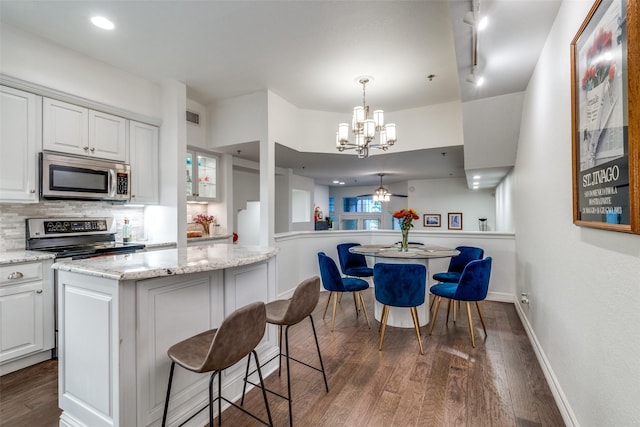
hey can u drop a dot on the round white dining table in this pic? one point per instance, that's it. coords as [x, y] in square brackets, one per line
[417, 254]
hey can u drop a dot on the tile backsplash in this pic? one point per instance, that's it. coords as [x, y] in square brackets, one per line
[12, 218]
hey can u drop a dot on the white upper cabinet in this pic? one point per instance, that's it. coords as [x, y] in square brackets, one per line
[107, 136]
[20, 142]
[202, 175]
[143, 143]
[77, 130]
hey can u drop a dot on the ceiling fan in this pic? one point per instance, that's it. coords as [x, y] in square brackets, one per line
[382, 194]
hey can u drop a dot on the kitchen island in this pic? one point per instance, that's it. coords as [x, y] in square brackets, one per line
[118, 315]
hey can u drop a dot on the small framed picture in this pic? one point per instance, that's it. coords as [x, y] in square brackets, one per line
[431, 220]
[455, 220]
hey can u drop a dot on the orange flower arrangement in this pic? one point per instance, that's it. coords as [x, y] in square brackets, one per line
[405, 217]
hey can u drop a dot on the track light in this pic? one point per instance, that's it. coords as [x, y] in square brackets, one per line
[471, 18]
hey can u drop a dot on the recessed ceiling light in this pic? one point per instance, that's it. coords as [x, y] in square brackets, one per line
[476, 177]
[102, 22]
[336, 182]
[341, 183]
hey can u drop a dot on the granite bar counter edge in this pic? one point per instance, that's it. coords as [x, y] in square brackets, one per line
[168, 262]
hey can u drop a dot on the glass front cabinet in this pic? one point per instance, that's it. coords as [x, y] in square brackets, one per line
[202, 176]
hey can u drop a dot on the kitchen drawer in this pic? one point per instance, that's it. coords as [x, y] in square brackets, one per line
[13, 274]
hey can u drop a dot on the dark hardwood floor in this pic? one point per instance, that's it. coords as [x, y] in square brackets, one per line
[499, 383]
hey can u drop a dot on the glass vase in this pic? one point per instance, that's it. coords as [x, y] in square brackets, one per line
[404, 245]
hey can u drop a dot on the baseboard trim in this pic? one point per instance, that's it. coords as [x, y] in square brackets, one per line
[561, 400]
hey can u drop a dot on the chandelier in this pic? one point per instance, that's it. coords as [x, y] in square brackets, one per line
[369, 132]
[381, 194]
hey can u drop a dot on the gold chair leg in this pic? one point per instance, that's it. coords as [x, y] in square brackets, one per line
[456, 310]
[448, 311]
[416, 323]
[435, 313]
[335, 304]
[481, 319]
[327, 305]
[385, 314]
[364, 309]
[355, 302]
[433, 300]
[473, 341]
[384, 307]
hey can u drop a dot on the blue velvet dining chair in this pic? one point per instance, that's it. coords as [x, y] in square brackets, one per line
[337, 285]
[352, 264]
[400, 285]
[458, 263]
[472, 287]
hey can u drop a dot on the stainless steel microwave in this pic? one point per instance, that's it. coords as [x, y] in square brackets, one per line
[73, 177]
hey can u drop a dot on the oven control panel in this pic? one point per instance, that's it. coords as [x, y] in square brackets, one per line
[38, 228]
[77, 226]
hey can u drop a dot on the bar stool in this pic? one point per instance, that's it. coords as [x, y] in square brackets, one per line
[288, 313]
[217, 349]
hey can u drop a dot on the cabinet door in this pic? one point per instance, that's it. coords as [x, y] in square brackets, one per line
[202, 176]
[65, 127]
[21, 320]
[143, 141]
[20, 142]
[107, 136]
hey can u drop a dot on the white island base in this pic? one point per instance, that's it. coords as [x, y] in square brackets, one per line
[118, 317]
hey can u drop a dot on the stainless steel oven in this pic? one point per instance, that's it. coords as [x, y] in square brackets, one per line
[72, 177]
[75, 238]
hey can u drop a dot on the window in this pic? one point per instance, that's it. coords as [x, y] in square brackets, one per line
[361, 204]
[361, 213]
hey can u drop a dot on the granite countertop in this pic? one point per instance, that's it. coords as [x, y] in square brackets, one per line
[16, 256]
[209, 237]
[168, 262]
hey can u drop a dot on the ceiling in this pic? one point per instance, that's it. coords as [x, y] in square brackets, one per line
[310, 52]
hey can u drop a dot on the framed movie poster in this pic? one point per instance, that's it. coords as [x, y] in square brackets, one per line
[606, 117]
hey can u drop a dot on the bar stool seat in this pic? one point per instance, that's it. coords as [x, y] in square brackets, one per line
[288, 313]
[217, 349]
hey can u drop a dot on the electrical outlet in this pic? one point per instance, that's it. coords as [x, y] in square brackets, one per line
[524, 298]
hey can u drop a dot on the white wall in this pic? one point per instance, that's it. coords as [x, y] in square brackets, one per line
[36, 60]
[303, 184]
[491, 130]
[197, 134]
[321, 198]
[583, 284]
[441, 196]
[504, 204]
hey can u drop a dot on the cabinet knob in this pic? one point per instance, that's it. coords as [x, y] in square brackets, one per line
[92, 149]
[86, 148]
[32, 191]
[39, 291]
[15, 275]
